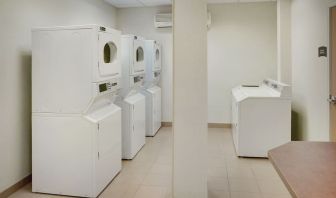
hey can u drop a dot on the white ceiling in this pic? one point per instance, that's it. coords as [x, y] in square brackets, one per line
[138, 3]
[237, 1]
[146, 3]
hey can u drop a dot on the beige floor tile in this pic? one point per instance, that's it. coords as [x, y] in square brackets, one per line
[272, 186]
[217, 172]
[240, 172]
[158, 168]
[157, 180]
[129, 178]
[136, 168]
[26, 192]
[216, 161]
[218, 194]
[124, 190]
[218, 183]
[270, 195]
[265, 171]
[151, 192]
[244, 185]
[245, 195]
[131, 191]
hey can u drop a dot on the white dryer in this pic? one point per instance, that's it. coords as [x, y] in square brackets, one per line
[261, 117]
[152, 91]
[132, 101]
[76, 127]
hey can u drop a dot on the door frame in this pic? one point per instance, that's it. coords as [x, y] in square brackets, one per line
[332, 137]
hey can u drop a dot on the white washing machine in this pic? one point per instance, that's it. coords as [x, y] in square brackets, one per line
[152, 91]
[76, 127]
[132, 101]
[261, 118]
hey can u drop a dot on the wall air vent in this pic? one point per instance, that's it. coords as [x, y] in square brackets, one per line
[163, 20]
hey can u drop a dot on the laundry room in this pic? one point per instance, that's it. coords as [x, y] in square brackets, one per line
[166, 98]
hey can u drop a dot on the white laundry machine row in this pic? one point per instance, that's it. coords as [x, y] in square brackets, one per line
[132, 101]
[151, 90]
[76, 127]
[261, 118]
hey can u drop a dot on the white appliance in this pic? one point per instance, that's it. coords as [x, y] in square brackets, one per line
[76, 127]
[132, 102]
[261, 118]
[152, 91]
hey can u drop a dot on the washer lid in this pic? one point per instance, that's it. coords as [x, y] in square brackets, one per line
[241, 93]
[133, 99]
[154, 89]
[102, 113]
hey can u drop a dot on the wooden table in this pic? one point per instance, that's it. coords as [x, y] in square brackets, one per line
[308, 169]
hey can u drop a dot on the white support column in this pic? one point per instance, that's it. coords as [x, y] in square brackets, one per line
[284, 41]
[190, 99]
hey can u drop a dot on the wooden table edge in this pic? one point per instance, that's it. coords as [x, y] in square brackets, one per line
[284, 180]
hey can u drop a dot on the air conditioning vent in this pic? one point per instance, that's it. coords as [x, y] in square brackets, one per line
[163, 20]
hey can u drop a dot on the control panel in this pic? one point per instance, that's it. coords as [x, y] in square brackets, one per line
[109, 86]
[283, 89]
[137, 81]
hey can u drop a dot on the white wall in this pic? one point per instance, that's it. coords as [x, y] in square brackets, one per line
[284, 53]
[190, 99]
[17, 17]
[310, 74]
[242, 49]
[140, 21]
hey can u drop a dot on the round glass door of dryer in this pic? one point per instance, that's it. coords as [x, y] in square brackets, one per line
[157, 57]
[109, 54]
[139, 57]
[139, 54]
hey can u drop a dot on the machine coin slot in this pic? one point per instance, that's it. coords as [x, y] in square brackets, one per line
[102, 87]
[103, 29]
[137, 79]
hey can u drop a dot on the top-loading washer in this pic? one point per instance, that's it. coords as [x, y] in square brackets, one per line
[76, 127]
[261, 117]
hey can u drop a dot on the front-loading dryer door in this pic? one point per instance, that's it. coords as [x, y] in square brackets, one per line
[109, 54]
[139, 57]
[157, 57]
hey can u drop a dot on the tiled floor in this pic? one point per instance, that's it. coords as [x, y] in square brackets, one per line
[149, 174]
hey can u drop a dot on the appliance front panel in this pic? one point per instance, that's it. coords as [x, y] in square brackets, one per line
[109, 149]
[138, 57]
[109, 54]
[139, 131]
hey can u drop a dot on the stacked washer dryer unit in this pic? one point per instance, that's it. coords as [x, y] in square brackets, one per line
[132, 101]
[152, 91]
[76, 127]
[261, 117]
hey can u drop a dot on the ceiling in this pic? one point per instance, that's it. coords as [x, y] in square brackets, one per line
[138, 3]
[148, 3]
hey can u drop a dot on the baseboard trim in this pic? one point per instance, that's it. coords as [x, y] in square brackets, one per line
[210, 125]
[219, 125]
[166, 124]
[12, 189]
